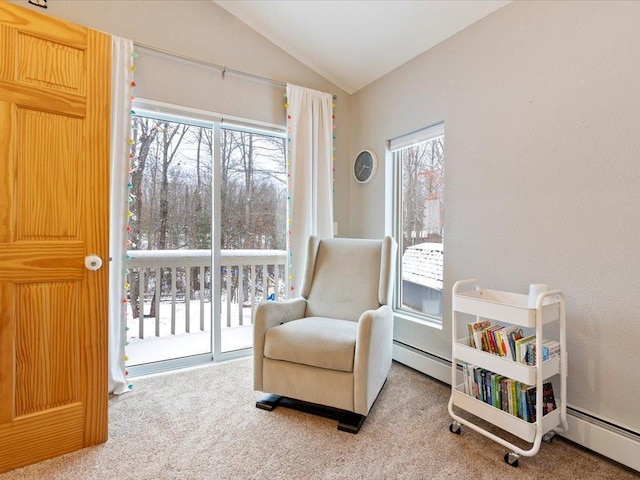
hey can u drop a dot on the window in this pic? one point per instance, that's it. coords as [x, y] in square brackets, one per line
[418, 170]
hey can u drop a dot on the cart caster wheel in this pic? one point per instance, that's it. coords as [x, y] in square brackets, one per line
[512, 459]
[548, 437]
[456, 428]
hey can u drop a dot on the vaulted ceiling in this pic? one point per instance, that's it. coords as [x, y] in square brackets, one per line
[354, 42]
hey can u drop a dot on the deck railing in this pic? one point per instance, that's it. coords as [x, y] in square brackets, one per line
[159, 278]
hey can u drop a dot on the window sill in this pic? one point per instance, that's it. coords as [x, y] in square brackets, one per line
[419, 319]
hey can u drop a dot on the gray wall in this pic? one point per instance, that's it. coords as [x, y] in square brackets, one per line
[203, 30]
[541, 104]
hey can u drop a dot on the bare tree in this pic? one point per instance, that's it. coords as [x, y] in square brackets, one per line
[144, 132]
[169, 150]
[172, 187]
[423, 182]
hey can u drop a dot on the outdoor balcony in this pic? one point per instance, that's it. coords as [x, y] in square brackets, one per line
[171, 305]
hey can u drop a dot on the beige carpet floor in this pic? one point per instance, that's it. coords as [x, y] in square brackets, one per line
[203, 424]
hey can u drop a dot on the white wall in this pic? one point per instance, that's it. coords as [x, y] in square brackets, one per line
[541, 104]
[203, 30]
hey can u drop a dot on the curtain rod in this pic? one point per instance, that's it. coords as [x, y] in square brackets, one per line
[222, 68]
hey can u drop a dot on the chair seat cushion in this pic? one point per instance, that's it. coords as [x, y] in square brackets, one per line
[316, 341]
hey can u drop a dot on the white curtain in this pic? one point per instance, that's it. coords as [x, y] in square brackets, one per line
[310, 168]
[122, 76]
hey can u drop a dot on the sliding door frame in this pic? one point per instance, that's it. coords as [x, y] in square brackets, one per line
[216, 122]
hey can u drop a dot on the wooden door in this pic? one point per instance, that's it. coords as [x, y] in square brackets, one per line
[54, 197]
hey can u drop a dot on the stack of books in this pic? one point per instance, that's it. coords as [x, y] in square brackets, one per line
[504, 393]
[509, 342]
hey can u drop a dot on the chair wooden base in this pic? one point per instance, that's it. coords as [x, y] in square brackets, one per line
[347, 421]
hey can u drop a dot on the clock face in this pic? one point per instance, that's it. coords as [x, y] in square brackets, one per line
[364, 167]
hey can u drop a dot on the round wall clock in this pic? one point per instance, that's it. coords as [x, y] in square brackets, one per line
[365, 166]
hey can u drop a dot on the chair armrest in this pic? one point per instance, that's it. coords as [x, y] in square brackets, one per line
[269, 314]
[374, 346]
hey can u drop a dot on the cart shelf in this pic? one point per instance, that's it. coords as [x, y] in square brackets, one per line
[504, 420]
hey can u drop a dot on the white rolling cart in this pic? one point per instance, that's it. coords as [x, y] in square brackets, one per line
[509, 309]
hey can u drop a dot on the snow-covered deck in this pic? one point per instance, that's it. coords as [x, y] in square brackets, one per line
[181, 327]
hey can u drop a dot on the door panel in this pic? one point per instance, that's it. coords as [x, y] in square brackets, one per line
[63, 70]
[49, 146]
[47, 340]
[54, 197]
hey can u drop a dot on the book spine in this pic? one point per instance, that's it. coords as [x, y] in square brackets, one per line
[472, 344]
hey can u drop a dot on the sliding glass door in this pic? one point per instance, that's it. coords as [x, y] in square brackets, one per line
[169, 264]
[252, 202]
[207, 233]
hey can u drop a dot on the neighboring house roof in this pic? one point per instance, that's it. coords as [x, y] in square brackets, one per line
[422, 264]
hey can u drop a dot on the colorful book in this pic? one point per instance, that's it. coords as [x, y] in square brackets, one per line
[496, 383]
[548, 401]
[478, 328]
[490, 339]
[521, 348]
[503, 341]
[524, 411]
[550, 348]
[514, 333]
[472, 343]
[548, 398]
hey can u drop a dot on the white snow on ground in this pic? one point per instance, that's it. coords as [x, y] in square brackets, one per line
[167, 346]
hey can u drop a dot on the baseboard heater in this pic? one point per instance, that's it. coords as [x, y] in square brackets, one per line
[588, 430]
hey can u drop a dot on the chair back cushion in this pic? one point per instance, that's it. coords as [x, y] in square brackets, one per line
[343, 277]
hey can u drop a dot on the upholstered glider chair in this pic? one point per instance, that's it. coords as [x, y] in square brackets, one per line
[328, 352]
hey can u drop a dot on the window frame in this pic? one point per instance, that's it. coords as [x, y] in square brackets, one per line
[393, 147]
